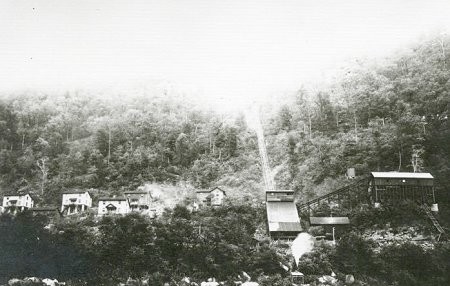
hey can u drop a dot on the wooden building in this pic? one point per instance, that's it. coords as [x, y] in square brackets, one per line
[213, 197]
[75, 201]
[13, 203]
[282, 216]
[139, 201]
[333, 226]
[391, 187]
[114, 205]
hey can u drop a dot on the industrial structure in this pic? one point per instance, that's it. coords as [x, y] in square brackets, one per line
[390, 187]
[282, 216]
[384, 188]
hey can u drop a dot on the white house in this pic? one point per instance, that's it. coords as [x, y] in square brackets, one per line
[117, 205]
[217, 196]
[214, 197]
[17, 203]
[75, 202]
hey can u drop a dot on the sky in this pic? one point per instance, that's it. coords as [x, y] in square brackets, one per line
[227, 52]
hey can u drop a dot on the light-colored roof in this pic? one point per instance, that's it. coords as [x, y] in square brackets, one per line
[280, 191]
[75, 192]
[112, 199]
[17, 195]
[209, 191]
[329, 220]
[282, 212]
[285, 226]
[402, 175]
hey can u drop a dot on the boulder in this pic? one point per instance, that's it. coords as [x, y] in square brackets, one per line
[349, 279]
[15, 282]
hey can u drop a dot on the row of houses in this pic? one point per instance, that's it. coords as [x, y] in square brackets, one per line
[76, 202]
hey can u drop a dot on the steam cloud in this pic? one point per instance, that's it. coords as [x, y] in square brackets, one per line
[304, 243]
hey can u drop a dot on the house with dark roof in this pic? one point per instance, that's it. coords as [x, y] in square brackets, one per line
[139, 201]
[113, 205]
[213, 197]
[75, 201]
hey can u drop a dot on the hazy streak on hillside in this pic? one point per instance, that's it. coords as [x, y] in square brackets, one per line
[254, 122]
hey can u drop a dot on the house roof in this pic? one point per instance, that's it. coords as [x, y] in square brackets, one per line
[136, 192]
[280, 191]
[329, 220]
[18, 195]
[112, 199]
[402, 175]
[42, 209]
[75, 192]
[209, 191]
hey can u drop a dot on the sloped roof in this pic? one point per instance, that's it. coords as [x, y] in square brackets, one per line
[282, 212]
[112, 199]
[136, 192]
[18, 195]
[402, 175]
[280, 191]
[329, 220]
[209, 191]
[285, 226]
[76, 192]
[42, 209]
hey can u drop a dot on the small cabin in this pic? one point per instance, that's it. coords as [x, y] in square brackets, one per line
[139, 201]
[113, 206]
[387, 187]
[214, 197]
[75, 201]
[13, 203]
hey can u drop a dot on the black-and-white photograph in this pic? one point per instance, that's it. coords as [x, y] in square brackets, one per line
[224, 142]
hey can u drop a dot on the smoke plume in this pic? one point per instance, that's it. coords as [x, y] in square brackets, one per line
[304, 243]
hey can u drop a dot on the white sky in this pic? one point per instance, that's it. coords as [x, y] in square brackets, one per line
[228, 50]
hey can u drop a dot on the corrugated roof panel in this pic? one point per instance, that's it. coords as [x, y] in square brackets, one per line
[401, 175]
[282, 212]
[329, 220]
[285, 226]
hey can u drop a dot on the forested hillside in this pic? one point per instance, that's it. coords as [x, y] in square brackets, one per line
[54, 142]
[386, 116]
[389, 116]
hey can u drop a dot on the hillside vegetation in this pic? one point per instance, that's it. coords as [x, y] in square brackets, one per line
[390, 116]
